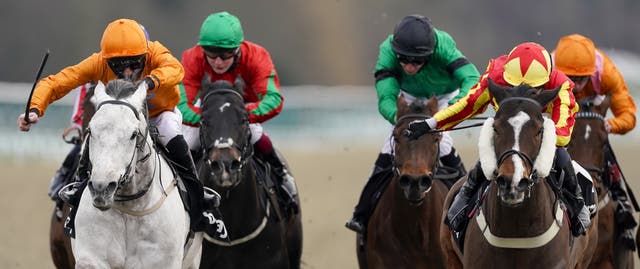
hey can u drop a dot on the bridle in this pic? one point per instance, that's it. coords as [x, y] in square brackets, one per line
[246, 149]
[141, 142]
[405, 132]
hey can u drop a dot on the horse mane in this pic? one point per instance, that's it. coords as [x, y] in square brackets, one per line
[207, 85]
[121, 89]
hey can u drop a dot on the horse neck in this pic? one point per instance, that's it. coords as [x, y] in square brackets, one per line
[533, 216]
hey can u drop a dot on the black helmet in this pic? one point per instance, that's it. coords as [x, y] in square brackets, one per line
[414, 36]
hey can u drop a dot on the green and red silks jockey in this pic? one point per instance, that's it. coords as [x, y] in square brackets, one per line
[253, 66]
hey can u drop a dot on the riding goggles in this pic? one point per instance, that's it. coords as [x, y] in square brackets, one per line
[411, 59]
[222, 53]
[119, 64]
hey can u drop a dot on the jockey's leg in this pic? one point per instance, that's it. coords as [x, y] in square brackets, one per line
[265, 148]
[457, 214]
[579, 214]
[623, 214]
[169, 124]
[64, 172]
[367, 201]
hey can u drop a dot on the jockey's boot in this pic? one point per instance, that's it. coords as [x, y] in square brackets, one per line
[623, 214]
[580, 216]
[199, 202]
[453, 160]
[457, 214]
[368, 199]
[64, 173]
[286, 180]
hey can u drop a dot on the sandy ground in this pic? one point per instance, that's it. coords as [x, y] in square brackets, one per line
[329, 180]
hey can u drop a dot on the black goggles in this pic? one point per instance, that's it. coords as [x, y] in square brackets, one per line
[411, 59]
[578, 79]
[222, 53]
[119, 64]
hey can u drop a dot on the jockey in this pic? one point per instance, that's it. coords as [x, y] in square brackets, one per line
[594, 74]
[528, 63]
[417, 62]
[223, 54]
[126, 53]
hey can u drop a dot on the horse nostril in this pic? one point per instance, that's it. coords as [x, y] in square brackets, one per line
[425, 181]
[404, 181]
[235, 165]
[501, 181]
[216, 167]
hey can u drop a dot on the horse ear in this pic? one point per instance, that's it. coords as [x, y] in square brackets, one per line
[432, 106]
[545, 97]
[498, 92]
[99, 94]
[604, 105]
[402, 105]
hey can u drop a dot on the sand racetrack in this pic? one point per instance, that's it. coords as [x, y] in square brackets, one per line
[329, 180]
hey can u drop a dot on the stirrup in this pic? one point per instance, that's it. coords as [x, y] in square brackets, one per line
[211, 197]
[69, 192]
[354, 225]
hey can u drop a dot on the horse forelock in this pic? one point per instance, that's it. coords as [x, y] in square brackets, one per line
[120, 89]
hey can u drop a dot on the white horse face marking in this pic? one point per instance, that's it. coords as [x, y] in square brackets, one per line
[587, 132]
[224, 106]
[517, 122]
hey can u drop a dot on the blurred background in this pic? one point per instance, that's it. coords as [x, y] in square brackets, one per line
[324, 51]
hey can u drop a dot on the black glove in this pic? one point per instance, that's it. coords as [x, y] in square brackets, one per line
[417, 128]
[150, 83]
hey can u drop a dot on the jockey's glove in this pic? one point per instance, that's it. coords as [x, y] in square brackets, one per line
[417, 128]
[149, 82]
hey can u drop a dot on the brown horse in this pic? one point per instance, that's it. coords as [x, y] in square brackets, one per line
[587, 146]
[403, 230]
[520, 224]
[59, 243]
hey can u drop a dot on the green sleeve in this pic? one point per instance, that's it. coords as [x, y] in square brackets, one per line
[468, 76]
[188, 115]
[462, 70]
[387, 88]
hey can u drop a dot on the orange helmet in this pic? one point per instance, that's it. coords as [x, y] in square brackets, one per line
[575, 55]
[527, 63]
[123, 38]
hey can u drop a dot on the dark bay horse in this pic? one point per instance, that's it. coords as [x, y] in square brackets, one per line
[520, 223]
[59, 243]
[587, 146]
[403, 229]
[260, 235]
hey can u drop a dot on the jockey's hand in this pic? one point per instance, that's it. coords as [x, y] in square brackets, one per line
[607, 126]
[23, 125]
[417, 128]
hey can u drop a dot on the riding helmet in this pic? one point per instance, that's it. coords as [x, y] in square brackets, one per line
[528, 63]
[575, 55]
[123, 38]
[414, 36]
[221, 30]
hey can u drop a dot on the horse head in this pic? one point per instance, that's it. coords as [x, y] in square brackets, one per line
[224, 134]
[116, 134]
[415, 159]
[517, 146]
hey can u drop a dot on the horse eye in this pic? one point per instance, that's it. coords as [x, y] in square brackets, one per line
[133, 136]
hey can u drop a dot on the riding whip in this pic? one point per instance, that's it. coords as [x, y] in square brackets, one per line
[44, 61]
[632, 197]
